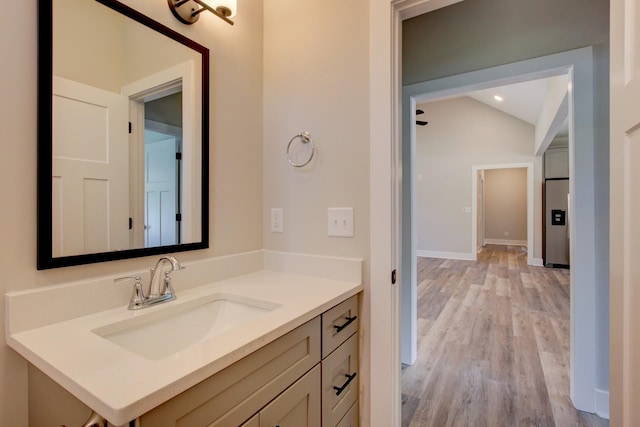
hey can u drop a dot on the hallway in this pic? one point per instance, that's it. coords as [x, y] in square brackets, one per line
[493, 345]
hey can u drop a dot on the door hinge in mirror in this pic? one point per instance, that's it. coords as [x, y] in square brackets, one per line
[393, 277]
[130, 223]
[130, 127]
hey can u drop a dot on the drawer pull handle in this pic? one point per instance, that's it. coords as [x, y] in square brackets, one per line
[350, 378]
[348, 322]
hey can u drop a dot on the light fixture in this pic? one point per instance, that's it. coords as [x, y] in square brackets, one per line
[498, 98]
[188, 12]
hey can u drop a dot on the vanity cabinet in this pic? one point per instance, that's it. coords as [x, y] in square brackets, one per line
[306, 378]
[339, 361]
[298, 406]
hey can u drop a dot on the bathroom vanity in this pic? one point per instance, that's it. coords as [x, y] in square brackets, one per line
[307, 377]
[266, 348]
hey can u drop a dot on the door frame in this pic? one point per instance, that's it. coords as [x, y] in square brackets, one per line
[381, 302]
[147, 89]
[446, 88]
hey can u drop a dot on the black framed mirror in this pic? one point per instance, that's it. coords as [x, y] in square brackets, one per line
[123, 106]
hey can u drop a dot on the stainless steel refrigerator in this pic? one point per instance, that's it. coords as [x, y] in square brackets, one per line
[557, 222]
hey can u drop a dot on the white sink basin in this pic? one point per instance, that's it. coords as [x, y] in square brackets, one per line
[176, 326]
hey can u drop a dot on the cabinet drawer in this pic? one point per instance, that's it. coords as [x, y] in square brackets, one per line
[338, 324]
[298, 406]
[340, 382]
[230, 397]
[351, 419]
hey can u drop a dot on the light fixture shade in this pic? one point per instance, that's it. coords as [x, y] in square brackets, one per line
[227, 4]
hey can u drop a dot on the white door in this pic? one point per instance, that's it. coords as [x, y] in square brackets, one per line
[90, 169]
[160, 187]
[625, 213]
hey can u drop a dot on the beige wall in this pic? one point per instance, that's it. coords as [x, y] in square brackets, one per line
[463, 133]
[236, 160]
[316, 80]
[505, 204]
[88, 46]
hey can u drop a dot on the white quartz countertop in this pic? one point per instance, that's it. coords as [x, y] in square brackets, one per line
[121, 385]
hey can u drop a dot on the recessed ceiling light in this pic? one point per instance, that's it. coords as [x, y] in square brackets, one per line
[498, 98]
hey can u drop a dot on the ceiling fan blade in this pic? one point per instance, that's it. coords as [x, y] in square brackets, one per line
[421, 123]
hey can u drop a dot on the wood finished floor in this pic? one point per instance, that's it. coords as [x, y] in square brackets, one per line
[493, 345]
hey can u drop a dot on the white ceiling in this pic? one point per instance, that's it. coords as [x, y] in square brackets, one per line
[522, 100]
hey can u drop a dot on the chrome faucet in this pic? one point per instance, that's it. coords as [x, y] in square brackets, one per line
[162, 292]
[164, 287]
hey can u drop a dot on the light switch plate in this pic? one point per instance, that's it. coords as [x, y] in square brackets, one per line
[340, 222]
[276, 220]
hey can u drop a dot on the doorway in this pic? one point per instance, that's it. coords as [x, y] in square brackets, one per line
[504, 215]
[162, 116]
[162, 166]
[387, 125]
[577, 65]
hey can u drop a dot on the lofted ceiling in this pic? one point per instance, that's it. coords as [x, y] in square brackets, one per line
[521, 100]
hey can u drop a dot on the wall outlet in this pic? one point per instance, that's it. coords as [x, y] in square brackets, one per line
[340, 222]
[276, 220]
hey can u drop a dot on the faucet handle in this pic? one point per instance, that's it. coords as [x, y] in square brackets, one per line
[137, 296]
[166, 286]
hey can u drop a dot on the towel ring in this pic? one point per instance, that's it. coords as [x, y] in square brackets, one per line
[305, 137]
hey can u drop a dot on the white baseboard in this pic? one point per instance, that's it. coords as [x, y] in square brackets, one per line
[537, 262]
[447, 255]
[505, 242]
[602, 403]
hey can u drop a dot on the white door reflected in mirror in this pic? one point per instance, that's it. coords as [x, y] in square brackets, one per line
[161, 185]
[90, 177]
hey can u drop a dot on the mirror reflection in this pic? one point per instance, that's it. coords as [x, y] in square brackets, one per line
[127, 133]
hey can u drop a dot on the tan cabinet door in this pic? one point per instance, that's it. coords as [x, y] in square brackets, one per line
[298, 406]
